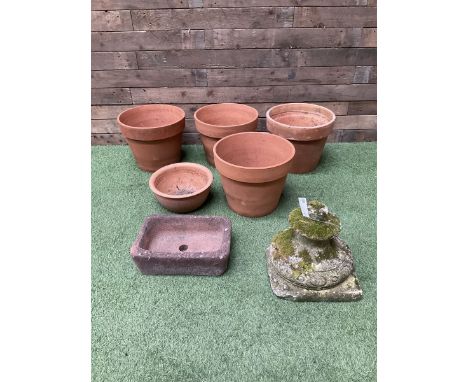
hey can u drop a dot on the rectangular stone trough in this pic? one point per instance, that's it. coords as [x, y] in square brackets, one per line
[183, 245]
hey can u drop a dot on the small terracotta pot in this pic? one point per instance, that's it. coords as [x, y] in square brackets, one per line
[181, 187]
[154, 134]
[307, 126]
[220, 120]
[253, 168]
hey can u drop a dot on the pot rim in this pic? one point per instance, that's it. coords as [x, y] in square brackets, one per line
[150, 106]
[215, 105]
[185, 165]
[284, 140]
[283, 125]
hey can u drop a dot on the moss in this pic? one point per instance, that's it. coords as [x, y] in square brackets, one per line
[312, 229]
[303, 266]
[283, 243]
[316, 204]
[329, 252]
[304, 254]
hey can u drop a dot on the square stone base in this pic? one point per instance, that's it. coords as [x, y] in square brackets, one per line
[348, 290]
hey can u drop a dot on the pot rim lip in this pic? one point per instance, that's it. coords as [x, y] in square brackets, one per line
[214, 105]
[150, 106]
[255, 168]
[169, 167]
[284, 125]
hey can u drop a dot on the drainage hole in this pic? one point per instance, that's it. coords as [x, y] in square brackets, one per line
[183, 247]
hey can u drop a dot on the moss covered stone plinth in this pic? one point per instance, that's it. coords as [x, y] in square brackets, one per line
[309, 262]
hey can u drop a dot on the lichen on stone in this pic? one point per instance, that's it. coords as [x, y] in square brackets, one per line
[327, 227]
[305, 264]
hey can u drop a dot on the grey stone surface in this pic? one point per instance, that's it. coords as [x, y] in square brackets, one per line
[309, 262]
[348, 290]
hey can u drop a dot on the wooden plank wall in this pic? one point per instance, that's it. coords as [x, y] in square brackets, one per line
[259, 52]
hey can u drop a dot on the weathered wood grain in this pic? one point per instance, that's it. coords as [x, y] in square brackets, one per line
[281, 76]
[138, 4]
[112, 111]
[194, 138]
[107, 126]
[348, 122]
[362, 107]
[107, 111]
[256, 58]
[365, 75]
[147, 40]
[335, 17]
[279, 3]
[118, 139]
[113, 60]
[111, 96]
[165, 4]
[279, 94]
[200, 58]
[356, 122]
[212, 18]
[111, 21]
[148, 78]
[369, 37]
[336, 56]
[286, 38]
[358, 136]
[107, 139]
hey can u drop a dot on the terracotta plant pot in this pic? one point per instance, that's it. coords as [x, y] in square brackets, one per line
[253, 168]
[307, 126]
[181, 187]
[217, 121]
[154, 134]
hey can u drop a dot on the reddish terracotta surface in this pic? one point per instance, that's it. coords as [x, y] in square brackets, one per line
[183, 245]
[220, 120]
[154, 134]
[181, 187]
[253, 168]
[307, 126]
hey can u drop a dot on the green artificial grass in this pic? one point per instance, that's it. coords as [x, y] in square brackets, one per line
[231, 327]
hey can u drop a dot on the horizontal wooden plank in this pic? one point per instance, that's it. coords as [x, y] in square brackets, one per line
[212, 18]
[111, 96]
[118, 139]
[279, 3]
[111, 21]
[362, 107]
[148, 78]
[365, 75]
[112, 111]
[256, 58]
[358, 135]
[107, 139]
[279, 94]
[113, 60]
[335, 17]
[147, 40]
[356, 122]
[194, 138]
[138, 4]
[336, 56]
[200, 58]
[369, 37]
[280, 76]
[288, 38]
[347, 122]
[165, 4]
